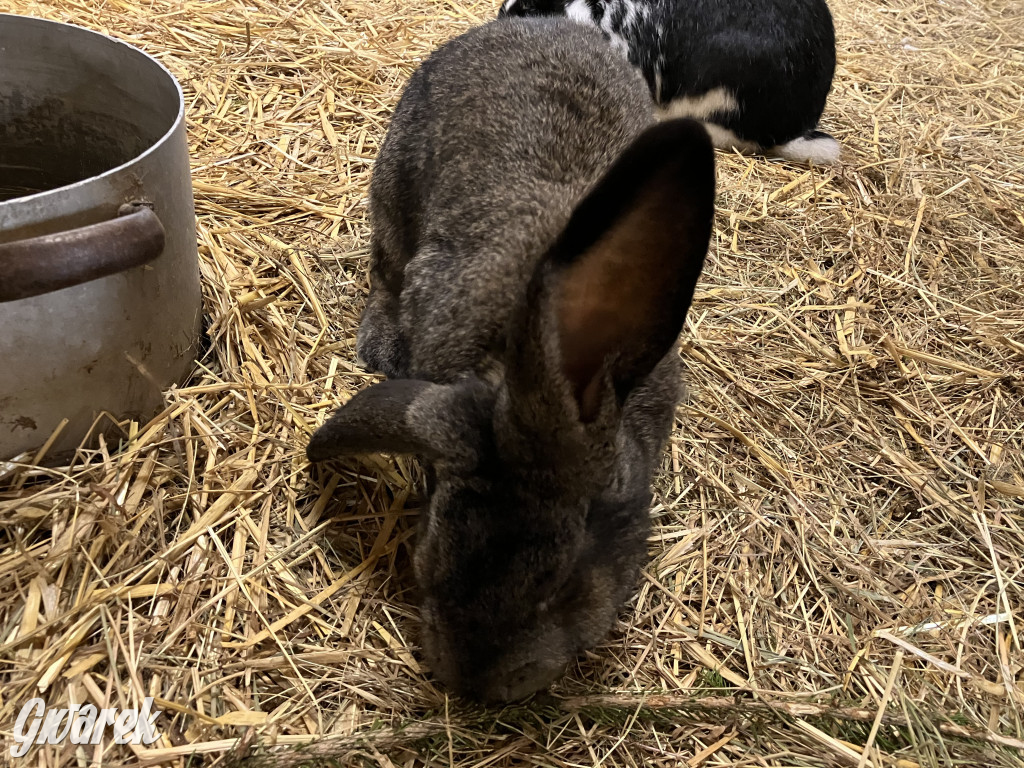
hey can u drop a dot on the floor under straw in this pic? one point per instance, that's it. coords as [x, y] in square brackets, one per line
[838, 559]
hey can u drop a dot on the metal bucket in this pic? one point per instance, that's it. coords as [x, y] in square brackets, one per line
[100, 301]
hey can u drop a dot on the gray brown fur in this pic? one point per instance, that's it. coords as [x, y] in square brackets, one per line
[539, 441]
[452, 186]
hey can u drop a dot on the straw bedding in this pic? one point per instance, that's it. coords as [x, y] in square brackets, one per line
[836, 572]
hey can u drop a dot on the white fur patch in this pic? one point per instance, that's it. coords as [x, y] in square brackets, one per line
[628, 22]
[700, 107]
[579, 11]
[823, 150]
[659, 65]
[508, 5]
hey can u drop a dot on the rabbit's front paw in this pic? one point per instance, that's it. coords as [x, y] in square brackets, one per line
[381, 348]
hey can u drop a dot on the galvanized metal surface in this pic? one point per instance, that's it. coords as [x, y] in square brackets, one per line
[106, 122]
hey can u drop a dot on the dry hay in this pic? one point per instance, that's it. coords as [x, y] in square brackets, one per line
[837, 558]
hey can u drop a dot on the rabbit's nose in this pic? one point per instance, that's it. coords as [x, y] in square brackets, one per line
[522, 681]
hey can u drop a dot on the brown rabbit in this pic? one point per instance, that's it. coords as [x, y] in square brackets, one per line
[536, 244]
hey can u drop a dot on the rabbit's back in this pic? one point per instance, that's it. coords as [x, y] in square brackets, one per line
[757, 72]
[776, 58]
[496, 138]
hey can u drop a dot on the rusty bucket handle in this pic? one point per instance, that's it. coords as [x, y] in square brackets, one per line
[38, 265]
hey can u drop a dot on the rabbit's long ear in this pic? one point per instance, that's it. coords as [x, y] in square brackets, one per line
[439, 422]
[623, 273]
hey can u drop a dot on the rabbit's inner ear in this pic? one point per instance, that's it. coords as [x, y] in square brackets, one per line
[618, 298]
[634, 250]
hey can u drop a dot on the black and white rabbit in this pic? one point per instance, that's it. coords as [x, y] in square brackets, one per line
[537, 238]
[757, 72]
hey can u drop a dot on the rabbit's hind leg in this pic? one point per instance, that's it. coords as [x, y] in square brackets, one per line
[815, 147]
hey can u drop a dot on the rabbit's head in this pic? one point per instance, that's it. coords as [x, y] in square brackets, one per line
[538, 472]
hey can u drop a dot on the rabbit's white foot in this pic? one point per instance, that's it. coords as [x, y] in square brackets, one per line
[813, 147]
